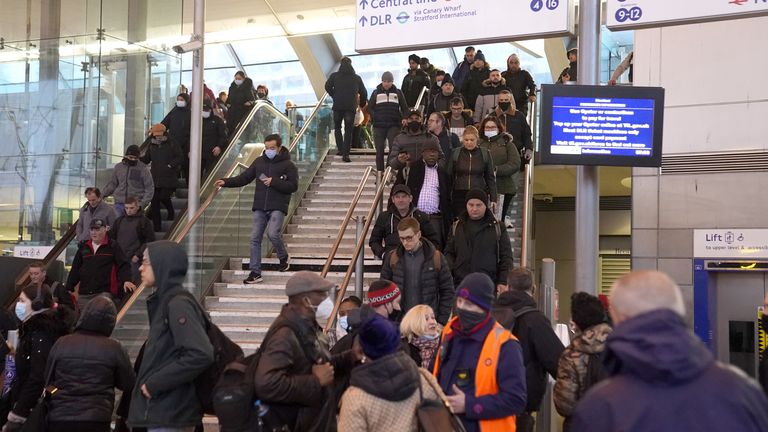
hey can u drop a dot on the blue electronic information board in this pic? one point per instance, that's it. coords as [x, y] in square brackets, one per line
[593, 125]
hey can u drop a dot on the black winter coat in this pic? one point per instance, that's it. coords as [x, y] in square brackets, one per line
[517, 126]
[285, 181]
[442, 103]
[132, 233]
[473, 85]
[413, 83]
[36, 338]
[102, 272]
[388, 107]
[384, 237]
[87, 366]
[472, 169]
[237, 97]
[541, 346]
[344, 87]
[486, 253]
[436, 286]
[414, 179]
[521, 85]
[178, 121]
[214, 135]
[166, 159]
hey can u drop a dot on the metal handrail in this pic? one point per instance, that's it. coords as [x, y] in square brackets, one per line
[424, 90]
[358, 250]
[178, 237]
[345, 222]
[307, 122]
[528, 191]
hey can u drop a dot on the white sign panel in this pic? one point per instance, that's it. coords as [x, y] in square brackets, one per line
[36, 252]
[730, 243]
[630, 14]
[391, 25]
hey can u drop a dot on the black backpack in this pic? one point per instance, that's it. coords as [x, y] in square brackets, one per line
[225, 351]
[595, 372]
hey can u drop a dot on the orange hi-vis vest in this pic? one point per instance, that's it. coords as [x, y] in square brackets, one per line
[485, 372]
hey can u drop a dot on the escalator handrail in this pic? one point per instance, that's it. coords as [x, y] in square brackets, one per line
[528, 192]
[424, 90]
[307, 122]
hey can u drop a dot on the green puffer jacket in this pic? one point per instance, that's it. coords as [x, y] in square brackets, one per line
[506, 159]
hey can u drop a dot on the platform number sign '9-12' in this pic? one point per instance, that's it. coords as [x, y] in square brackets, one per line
[633, 14]
[537, 5]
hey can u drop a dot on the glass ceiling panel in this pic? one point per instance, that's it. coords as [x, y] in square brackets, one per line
[267, 50]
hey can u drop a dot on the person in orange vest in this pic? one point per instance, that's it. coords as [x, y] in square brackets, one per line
[480, 364]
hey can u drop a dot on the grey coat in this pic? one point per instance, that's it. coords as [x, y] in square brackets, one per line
[102, 211]
[131, 181]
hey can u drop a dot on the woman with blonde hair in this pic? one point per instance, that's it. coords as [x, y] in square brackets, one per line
[421, 330]
[471, 167]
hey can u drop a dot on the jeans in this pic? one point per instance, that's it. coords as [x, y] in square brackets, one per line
[344, 143]
[272, 222]
[380, 135]
[119, 209]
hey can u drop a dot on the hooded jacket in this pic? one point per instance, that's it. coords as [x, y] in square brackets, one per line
[506, 160]
[285, 181]
[488, 98]
[214, 135]
[411, 143]
[177, 349]
[474, 84]
[87, 366]
[384, 395]
[344, 87]
[388, 107]
[237, 96]
[461, 72]
[413, 83]
[133, 233]
[178, 121]
[663, 378]
[130, 181]
[37, 336]
[102, 211]
[487, 253]
[521, 85]
[166, 159]
[541, 347]
[384, 237]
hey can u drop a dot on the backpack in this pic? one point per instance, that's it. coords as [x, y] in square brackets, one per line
[595, 372]
[495, 225]
[394, 258]
[518, 314]
[225, 351]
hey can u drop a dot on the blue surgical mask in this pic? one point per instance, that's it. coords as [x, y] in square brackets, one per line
[238, 81]
[343, 323]
[430, 337]
[491, 134]
[21, 310]
[270, 153]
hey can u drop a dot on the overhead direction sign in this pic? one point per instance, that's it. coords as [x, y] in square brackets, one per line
[392, 25]
[633, 14]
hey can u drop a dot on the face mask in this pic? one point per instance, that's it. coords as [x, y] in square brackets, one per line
[206, 114]
[505, 105]
[344, 323]
[414, 126]
[269, 153]
[439, 83]
[261, 95]
[491, 134]
[396, 315]
[324, 309]
[161, 138]
[430, 337]
[181, 104]
[130, 162]
[238, 81]
[469, 319]
[21, 310]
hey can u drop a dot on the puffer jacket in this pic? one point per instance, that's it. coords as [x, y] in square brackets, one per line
[131, 181]
[237, 97]
[384, 395]
[411, 143]
[285, 181]
[165, 159]
[178, 121]
[488, 252]
[87, 366]
[571, 382]
[488, 98]
[388, 107]
[214, 135]
[474, 84]
[506, 160]
[102, 211]
[177, 349]
[436, 285]
[473, 169]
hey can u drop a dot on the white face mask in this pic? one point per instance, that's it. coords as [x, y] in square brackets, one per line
[342, 327]
[439, 83]
[238, 81]
[181, 104]
[491, 134]
[324, 309]
[21, 310]
[206, 114]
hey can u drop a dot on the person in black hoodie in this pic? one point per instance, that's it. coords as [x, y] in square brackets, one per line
[414, 82]
[278, 179]
[166, 158]
[177, 348]
[132, 232]
[345, 87]
[541, 346]
[471, 87]
[240, 100]
[177, 122]
[214, 141]
[86, 367]
[41, 326]
[388, 109]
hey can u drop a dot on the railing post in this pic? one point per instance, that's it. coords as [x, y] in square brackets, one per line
[359, 267]
[547, 306]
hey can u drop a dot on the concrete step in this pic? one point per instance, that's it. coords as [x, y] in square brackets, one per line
[261, 303]
[319, 229]
[331, 212]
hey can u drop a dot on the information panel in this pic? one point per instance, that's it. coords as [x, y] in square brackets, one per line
[392, 25]
[631, 14]
[599, 125]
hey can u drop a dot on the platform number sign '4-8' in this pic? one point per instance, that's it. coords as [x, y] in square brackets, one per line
[538, 5]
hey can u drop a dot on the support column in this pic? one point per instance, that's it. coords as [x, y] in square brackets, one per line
[196, 128]
[136, 76]
[319, 55]
[587, 177]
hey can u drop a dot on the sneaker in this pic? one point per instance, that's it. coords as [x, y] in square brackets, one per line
[284, 265]
[254, 278]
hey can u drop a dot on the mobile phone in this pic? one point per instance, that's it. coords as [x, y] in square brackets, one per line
[262, 176]
[13, 338]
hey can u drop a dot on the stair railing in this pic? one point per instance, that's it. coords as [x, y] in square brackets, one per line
[526, 234]
[342, 289]
[307, 122]
[345, 222]
[424, 90]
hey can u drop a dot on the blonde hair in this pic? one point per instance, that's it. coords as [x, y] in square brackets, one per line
[414, 323]
[471, 130]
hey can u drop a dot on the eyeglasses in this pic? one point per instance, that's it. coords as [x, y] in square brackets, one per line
[407, 239]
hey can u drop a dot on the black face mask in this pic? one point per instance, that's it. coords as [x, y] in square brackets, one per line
[505, 105]
[396, 316]
[261, 95]
[130, 162]
[469, 320]
[414, 126]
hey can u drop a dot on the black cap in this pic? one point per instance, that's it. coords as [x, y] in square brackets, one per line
[97, 223]
[478, 195]
[400, 188]
[413, 113]
[132, 150]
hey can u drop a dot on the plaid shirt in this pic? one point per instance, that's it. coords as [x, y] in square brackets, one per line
[429, 198]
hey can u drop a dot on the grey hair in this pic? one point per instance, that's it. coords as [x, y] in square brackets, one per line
[643, 291]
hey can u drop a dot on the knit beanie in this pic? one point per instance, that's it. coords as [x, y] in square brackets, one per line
[132, 150]
[381, 292]
[379, 337]
[480, 56]
[477, 194]
[415, 58]
[477, 288]
[447, 79]
[387, 76]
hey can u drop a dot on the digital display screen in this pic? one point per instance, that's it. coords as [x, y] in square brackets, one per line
[597, 125]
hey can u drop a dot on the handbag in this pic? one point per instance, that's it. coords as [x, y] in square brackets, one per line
[37, 420]
[436, 415]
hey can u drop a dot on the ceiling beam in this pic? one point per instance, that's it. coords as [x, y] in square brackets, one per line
[319, 55]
